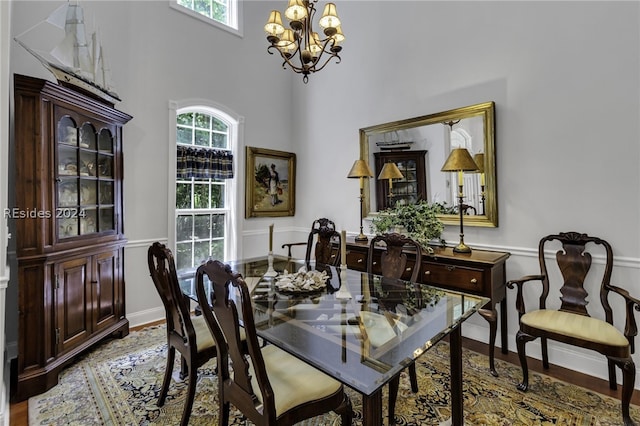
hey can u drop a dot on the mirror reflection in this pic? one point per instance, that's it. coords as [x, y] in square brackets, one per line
[419, 147]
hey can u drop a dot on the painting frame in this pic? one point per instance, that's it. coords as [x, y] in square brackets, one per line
[270, 183]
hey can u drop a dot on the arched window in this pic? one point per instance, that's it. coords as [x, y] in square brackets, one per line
[206, 140]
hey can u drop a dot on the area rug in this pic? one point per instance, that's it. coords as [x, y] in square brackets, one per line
[118, 384]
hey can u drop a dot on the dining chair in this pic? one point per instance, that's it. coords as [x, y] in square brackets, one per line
[268, 385]
[186, 333]
[571, 323]
[393, 264]
[328, 240]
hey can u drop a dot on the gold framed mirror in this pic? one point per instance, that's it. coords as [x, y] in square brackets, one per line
[430, 138]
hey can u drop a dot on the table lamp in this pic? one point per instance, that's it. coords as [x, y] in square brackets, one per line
[361, 170]
[390, 171]
[479, 160]
[460, 161]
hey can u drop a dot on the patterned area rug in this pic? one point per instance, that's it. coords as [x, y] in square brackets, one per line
[118, 384]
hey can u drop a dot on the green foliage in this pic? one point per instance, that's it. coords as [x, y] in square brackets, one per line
[418, 221]
[261, 172]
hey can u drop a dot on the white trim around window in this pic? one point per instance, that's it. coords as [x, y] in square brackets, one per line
[233, 224]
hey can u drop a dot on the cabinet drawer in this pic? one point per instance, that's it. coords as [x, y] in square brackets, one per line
[357, 260]
[453, 276]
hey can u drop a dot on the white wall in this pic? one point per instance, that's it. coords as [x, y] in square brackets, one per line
[565, 78]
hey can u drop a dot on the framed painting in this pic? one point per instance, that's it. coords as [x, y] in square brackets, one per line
[270, 183]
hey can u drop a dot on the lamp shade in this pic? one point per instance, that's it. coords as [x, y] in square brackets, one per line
[479, 160]
[296, 11]
[390, 171]
[329, 17]
[459, 161]
[274, 24]
[338, 36]
[360, 169]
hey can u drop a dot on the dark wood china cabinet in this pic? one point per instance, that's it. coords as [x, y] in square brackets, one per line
[408, 190]
[69, 228]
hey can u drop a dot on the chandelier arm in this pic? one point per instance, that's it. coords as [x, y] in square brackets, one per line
[338, 60]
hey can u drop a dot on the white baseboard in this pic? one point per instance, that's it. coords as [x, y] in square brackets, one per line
[559, 354]
[145, 317]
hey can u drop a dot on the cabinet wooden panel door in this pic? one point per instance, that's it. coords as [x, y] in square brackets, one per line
[106, 291]
[73, 292]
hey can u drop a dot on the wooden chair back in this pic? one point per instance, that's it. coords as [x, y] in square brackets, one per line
[328, 238]
[176, 304]
[393, 262]
[326, 232]
[574, 263]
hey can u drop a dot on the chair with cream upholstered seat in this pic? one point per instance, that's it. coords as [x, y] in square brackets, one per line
[393, 264]
[268, 385]
[186, 333]
[572, 324]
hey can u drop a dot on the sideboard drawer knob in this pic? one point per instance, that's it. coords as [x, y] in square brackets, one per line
[473, 281]
[427, 272]
[375, 263]
[409, 268]
[359, 260]
[450, 268]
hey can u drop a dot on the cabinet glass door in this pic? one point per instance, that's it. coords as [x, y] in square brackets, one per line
[406, 188]
[85, 185]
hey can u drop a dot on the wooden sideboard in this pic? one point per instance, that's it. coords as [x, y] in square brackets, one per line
[480, 272]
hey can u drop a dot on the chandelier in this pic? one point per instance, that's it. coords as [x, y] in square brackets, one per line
[301, 47]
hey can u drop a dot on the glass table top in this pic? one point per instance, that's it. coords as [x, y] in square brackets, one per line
[362, 329]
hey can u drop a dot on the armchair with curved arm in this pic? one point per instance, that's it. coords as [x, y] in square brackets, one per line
[572, 324]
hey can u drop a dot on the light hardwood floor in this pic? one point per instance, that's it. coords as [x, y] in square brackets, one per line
[19, 411]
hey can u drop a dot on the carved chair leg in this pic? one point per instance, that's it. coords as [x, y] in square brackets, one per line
[545, 353]
[613, 383]
[223, 420]
[191, 392]
[521, 340]
[171, 356]
[345, 411]
[628, 381]
[184, 368]
[413, 377]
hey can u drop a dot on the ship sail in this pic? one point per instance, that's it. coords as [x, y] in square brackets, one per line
[74, 59]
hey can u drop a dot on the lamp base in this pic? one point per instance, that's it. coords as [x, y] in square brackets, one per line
[462, 248]
[361, 238]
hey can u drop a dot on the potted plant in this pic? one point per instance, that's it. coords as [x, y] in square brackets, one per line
[418, 221]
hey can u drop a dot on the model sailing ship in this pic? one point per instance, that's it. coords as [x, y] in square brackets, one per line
[74, 61]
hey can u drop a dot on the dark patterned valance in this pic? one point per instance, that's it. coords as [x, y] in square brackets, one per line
[204, 163]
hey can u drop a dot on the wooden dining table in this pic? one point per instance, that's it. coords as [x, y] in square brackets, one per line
[361, 329]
